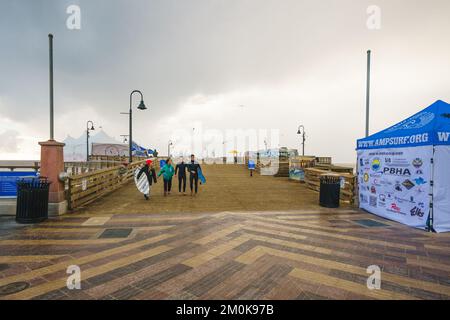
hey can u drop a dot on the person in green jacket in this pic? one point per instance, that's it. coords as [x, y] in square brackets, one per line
[167, 172]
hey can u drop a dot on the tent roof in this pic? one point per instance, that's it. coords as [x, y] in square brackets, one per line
[430, 126]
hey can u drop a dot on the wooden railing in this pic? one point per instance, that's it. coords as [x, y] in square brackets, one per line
[114, 158]
[96, 163]
[88, 187]
[348, 183]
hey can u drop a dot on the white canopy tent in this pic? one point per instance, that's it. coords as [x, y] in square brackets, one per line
[404, 170]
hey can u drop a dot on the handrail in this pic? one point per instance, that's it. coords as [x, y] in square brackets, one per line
[88, 187]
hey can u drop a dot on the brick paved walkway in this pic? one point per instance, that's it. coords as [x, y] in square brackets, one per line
[239, 246]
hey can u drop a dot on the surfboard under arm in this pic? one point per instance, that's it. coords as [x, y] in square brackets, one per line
[141, 183]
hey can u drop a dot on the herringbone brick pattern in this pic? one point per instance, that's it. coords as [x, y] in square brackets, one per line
[310, 253]
[248, 255]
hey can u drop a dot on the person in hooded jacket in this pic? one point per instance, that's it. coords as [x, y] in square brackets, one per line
[150, 172]
[167, 171]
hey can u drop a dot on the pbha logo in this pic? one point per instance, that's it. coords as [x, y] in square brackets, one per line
[397, 171]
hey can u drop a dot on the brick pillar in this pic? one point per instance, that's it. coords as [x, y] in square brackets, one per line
[52, 164]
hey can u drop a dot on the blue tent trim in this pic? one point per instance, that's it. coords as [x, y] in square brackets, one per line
[137, 150]
[430, 126]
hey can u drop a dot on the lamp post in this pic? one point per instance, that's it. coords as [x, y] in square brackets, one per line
[87, 137]
[368, 92]
[50, 50]
[302, 132]
[125, 140]
[170, 143]
[130, 113]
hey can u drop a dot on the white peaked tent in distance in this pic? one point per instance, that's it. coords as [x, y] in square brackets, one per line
[75, 148]
[404, 170]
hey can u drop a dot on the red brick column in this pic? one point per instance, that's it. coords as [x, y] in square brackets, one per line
[52, 164]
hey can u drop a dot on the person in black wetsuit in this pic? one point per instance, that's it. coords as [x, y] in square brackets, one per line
[193, 167]
[180, 169]
[151, 175]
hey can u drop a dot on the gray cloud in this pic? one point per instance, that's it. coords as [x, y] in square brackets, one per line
[173, 50]
[9, 141]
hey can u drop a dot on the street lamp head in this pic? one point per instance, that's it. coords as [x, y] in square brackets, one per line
[142, 106]
[92, 128]
[298, 132]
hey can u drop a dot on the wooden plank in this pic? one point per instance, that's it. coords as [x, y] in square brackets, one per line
[347, 193]
[99, 183]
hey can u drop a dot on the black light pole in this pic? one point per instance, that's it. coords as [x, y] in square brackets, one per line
[140, 107]
[125, 140]
[50, 50]
[87, 137]
[368, 92]
[302, 132]
[170, 143]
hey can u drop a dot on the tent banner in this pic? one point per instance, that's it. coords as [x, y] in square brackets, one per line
[109, 149]
[394, 183]
[441, 189]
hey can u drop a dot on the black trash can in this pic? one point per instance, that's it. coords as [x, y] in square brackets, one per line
[330, 188]
[32, 200]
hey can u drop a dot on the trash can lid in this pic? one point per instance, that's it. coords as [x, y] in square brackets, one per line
[330, 177]
[330, 174]
[33, 182]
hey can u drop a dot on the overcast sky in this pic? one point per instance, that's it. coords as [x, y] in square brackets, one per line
[219, 64]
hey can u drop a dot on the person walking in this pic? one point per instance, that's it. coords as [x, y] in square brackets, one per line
[180, 170]
[251, 167]
[193, 168]
[167, 171]
[150, 172]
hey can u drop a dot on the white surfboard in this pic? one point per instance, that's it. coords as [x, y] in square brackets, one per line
[141, 183]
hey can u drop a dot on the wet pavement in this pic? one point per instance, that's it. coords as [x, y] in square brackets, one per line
[232, 241]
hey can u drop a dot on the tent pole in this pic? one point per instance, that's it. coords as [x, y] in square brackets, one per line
[431, 229]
